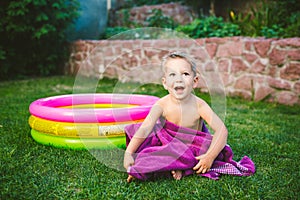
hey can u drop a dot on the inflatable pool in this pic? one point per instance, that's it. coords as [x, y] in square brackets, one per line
[84, 121]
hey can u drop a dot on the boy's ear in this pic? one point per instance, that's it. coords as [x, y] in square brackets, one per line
[163, 80]
[196, 80]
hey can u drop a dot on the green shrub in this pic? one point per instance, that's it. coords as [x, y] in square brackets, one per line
[265, 18]
[111, 31]
[133, 3]
[209, 27]
[33, 38]
[270, 19]
[287, 16]
[252, 23]
[272, 32]
[160, 20]
[126, 18]
[292, 29]
[156, 20]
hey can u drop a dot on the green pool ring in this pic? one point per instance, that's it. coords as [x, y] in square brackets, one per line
[78, 143]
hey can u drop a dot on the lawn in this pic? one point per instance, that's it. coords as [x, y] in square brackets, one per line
[268, 133]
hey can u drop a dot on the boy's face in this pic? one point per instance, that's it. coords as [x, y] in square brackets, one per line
[179, 78]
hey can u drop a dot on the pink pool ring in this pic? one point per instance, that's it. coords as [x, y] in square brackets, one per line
[52, 108]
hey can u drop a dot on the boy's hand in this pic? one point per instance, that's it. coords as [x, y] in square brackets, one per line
[128, 160]
[204, 164]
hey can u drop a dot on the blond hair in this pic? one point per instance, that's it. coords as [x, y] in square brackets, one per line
[182, 55]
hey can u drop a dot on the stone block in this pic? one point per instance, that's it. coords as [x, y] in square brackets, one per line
[108, 52]
[279, 84]
[273, 71]
[127, 45]
[291, 71]
[238, 65]
[210, 67]
[80, 46]
[262, 47]
[262, 92]
[200, 54]
[149, 53]
[117, 49]
[250, 57]
[216, 40]
[200, 41]
[277, 57]
[211, 49]
[293, 54]
[288, 42]
[297, 87]
[230, 49]
[223, 65]
[227, 79]
[287, 98]
[163, 44]
[248, 45]
[257, 67]
[147, 44]
[244, 83]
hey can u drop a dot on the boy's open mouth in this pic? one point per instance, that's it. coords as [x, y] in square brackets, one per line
[179, 89]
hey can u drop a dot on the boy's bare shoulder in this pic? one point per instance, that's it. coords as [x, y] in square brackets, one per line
[200, 102]
[163, 101]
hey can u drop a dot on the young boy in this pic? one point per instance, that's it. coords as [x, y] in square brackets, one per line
[152, 152]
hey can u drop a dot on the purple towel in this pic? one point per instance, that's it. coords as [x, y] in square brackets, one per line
[170, 147]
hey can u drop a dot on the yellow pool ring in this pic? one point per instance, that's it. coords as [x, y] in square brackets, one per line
[79, 130]
[79, 143]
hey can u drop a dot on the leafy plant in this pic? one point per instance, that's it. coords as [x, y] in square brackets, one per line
[33, 40]
[111, 31]
[209, 27]
[156, 20]
[273, 32]
[126, 18]
[252, 22]
[160, 20]
[292, 29]
[287, 16]
[132, 3]
[270, 19]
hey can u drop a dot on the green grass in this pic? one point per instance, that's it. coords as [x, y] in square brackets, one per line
[268, 133]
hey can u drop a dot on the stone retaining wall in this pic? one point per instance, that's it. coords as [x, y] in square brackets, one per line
[253, 68]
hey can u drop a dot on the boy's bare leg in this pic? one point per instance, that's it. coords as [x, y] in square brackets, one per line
[130, 178]
[177, 174]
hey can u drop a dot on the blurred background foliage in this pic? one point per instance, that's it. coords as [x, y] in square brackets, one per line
[218, 18]
[33, 41]
[33, 32]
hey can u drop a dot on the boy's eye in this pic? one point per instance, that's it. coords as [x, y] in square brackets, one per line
[172, 74]
[186, 73]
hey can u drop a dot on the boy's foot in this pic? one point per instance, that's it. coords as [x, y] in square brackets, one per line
[177, 174]
[130, 178]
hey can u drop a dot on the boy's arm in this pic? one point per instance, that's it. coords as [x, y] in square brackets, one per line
[142, 133]
[219, 138]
